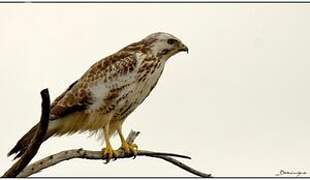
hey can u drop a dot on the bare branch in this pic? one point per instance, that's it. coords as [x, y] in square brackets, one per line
[85, 154]
[36, 140]
[181, 165]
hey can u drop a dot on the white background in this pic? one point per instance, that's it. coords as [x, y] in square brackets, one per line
[238, 103]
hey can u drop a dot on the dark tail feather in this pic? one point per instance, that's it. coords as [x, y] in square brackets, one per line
[23, 143]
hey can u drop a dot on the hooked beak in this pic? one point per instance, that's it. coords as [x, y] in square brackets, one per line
[184, 48]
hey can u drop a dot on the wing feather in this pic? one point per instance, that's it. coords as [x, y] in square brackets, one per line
[78, 96]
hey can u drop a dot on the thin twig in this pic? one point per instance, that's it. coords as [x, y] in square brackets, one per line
[85, 154]
[36, 140]
[181, 165]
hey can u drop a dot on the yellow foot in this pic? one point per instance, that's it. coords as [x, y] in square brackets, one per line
[129, 148]
[109, 153]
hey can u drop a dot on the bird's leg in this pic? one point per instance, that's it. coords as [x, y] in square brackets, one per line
[108, 151]
[128, 148]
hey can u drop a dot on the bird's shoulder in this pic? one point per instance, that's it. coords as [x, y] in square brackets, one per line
[106, 69]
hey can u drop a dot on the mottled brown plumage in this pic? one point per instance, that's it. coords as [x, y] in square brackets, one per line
[110, 90]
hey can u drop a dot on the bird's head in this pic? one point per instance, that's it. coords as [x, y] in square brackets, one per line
[164, 45]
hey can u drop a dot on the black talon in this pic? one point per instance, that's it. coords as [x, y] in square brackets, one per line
[107, 161]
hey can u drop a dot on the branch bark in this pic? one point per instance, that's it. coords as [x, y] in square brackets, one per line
[37, 139]
[85, 154]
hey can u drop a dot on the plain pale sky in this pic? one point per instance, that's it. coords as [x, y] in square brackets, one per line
[238, 103]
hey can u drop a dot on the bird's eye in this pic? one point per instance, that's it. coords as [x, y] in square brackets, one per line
[171, 41]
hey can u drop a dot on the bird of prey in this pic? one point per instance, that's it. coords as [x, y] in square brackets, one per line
[108, 92]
